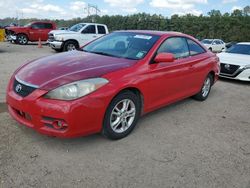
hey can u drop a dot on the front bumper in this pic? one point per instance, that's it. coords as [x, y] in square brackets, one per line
[56, 44]
[11, 38]
[82, 117]
[242, 74]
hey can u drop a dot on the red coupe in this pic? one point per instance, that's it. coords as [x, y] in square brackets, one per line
[107, 85]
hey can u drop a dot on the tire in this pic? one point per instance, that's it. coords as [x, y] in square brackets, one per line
[58, 50]
[70, 45]
[205, 89]
[22, 39]
[123, 119]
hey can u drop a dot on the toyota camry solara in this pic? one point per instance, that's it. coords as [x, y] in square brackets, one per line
[107, 85]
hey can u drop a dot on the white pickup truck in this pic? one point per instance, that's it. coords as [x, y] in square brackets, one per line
[76, 36]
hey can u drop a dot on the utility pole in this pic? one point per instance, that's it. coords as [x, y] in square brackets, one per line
[92, 8]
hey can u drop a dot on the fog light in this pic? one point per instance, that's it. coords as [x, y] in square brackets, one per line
[58, 124]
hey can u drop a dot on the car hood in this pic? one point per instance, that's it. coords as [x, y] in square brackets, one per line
[16, 28]
[62, 32]
[235, 59]
[53, 71]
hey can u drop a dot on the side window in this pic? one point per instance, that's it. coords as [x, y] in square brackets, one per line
[89, 30]
[101, 29]
[48, 26]
[175, 45]
[38, 26]
[194, 48]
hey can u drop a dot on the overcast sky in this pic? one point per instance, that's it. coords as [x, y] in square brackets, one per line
[67, 9]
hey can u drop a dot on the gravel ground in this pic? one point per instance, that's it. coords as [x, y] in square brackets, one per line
[187, 144]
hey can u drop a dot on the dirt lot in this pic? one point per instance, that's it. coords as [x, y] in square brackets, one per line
[188, 144]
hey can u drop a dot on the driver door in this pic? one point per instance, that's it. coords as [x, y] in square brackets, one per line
[170, 81]
[89, 33]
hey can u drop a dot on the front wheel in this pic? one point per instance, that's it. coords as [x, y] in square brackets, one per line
[205, 90]
[121, 116]
[70, 45]
[22, 39]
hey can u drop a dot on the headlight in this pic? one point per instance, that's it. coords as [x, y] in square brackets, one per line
[76, 89]
[58, 38]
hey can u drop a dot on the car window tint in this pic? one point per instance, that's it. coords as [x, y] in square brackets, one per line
[175, 45]
[194, 48]
[217, 42]
[101, 29]
[38, 26]
[89, 30]
[48, 26]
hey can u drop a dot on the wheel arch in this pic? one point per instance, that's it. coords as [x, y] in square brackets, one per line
[21, 33]
[135, 91]
[73, 40]
[212, 73]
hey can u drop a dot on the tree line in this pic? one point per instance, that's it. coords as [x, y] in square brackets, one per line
[233, 26]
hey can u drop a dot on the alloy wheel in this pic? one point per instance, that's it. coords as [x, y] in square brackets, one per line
[206, 87]
[122, 115]
[22, 39]
[71, 47]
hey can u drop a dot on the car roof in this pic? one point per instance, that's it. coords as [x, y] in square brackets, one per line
[245, 43]
[42, 22]
[152, 32]
[90, 23]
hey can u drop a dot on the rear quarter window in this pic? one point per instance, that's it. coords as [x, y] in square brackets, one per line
[101, 29]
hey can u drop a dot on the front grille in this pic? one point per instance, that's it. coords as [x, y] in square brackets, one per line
[21, 89]
[229, 69]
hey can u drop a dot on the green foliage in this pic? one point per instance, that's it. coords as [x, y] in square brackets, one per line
[229, 27]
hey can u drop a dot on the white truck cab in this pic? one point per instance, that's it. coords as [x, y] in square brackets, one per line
[76, 36]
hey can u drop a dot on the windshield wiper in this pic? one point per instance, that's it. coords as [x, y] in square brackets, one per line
[103, 53]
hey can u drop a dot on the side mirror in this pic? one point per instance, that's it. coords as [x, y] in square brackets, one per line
[164, 57]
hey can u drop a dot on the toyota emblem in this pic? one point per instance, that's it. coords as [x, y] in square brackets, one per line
[227, 66]
[18, 88]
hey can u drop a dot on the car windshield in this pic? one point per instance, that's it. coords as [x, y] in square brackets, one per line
[77, 27]
[123, 45]
[27, 25]
[239, 49]
[207, 41]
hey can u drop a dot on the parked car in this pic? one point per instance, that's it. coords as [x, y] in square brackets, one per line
[235, 62]
[11, 25]
[30, 32]
[215, 45]
[230, 44]
[76, 36]
[110, 83]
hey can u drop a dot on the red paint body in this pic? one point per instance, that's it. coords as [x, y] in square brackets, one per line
[33, 34]
[159, 84]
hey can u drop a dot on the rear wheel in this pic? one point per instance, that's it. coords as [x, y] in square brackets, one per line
[22, 39]
[70, 45]
[121, 116]
[205, 90]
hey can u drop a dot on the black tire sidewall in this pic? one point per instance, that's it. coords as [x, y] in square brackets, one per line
[107, 130]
